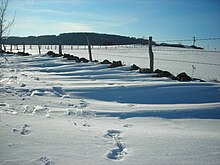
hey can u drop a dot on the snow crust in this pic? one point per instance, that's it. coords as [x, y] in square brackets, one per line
[54, 111]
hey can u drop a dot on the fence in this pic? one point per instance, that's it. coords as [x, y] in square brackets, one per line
[174, 59]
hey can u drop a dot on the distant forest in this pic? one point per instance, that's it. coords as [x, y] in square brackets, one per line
[75, 39]
[80, 39]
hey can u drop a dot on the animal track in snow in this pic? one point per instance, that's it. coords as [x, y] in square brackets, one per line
[58, 91]
[23, 131]
[81, 104]
[112, 134]
[128, 125]
[119, 150]
[41, 161]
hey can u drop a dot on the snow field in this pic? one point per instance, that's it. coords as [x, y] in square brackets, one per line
[206, 64]
[54, 111]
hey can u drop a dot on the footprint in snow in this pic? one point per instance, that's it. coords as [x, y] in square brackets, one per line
[86, 125]
[41, 161]
[58, 91]
[128, 125]
[119, 151]
[112, 134]
[81, 104]
[23, 131]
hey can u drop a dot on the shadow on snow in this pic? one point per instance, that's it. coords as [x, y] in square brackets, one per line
[182, 114]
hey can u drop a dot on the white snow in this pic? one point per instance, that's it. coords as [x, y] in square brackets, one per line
[55, 111]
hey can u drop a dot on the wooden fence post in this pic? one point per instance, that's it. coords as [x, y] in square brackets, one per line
[4, 46]
[10, 48]
[39, 48]
[89, 48]
[23, 48]
[194, 41]
[60, 49]
[151, 54]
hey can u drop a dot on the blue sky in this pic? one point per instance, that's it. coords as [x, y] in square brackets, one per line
[163, 19]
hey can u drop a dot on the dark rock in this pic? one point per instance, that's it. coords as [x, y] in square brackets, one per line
[115, 64]
[134, 67]
[23, 54]
[197, 79]
[9, 52]
[106, 62]
[201, 80]
[145, 70]
[161, 73]
[71, 57]
[50, 53]
[173, 77]
[57, 55]
[2, 51]
[84, 60]
[66, 55]
[164, 74]
[76, 58]
[183, 77]
[158, 71]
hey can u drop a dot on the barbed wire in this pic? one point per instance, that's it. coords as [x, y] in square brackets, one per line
[182, 40]
[160, 59]
[184, 61]
[187, 50]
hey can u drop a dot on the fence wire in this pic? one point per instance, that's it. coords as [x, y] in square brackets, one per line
[158, 59]
[183, 40]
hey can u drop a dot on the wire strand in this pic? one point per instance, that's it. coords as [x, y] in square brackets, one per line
[197, 39]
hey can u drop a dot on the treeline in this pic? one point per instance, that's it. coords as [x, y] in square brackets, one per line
[179, 46]
[75, 39]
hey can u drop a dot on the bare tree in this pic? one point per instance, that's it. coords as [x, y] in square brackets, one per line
[5, 23]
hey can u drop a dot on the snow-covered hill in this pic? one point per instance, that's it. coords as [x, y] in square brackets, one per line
[54, 111]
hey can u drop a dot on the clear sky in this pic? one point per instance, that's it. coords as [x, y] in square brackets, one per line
[162, 19]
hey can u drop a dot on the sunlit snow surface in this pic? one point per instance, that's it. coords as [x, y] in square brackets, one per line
[54, 111]
[206, 63]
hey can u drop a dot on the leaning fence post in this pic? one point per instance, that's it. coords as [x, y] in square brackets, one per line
[151, 54]
[89, 47]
